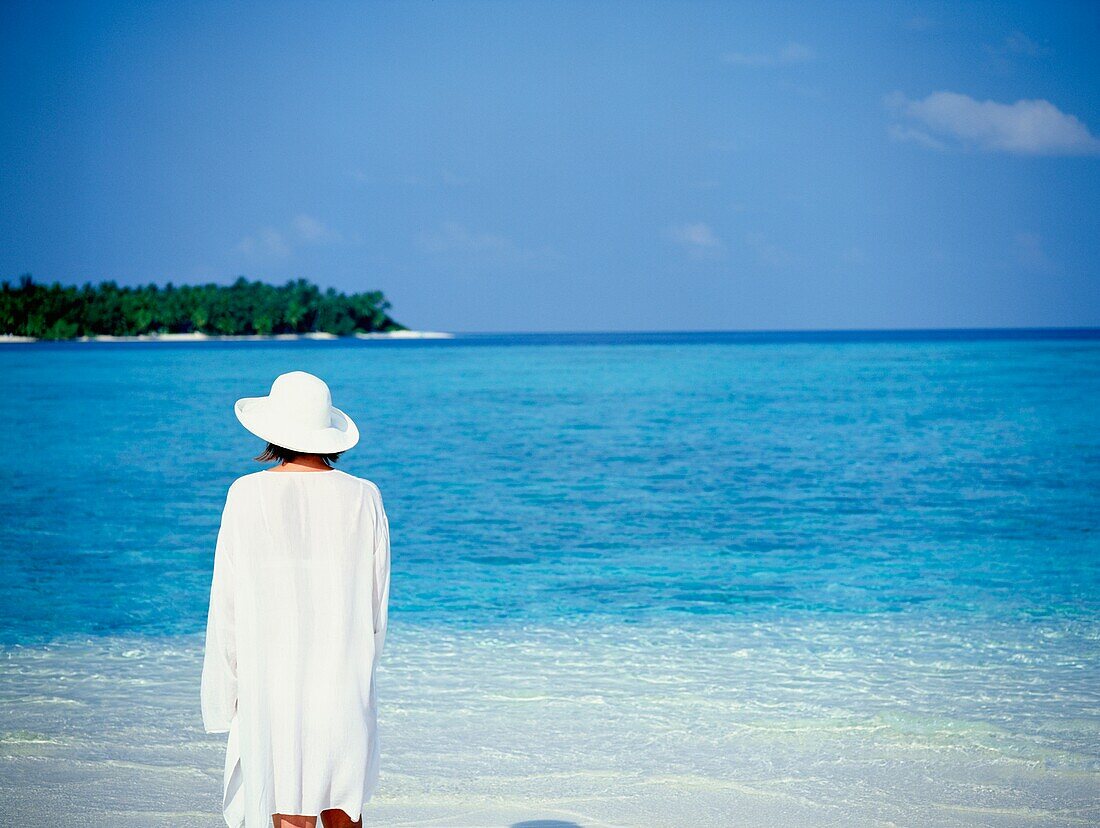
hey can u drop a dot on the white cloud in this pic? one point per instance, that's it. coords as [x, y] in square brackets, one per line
[1026, 127]
[789, 54]
[267, 242]
[905, 133]
[310, 229]
[271, 243]
[697, 239]
[455, 238]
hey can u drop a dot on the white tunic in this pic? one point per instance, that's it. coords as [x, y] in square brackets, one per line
[297, 621]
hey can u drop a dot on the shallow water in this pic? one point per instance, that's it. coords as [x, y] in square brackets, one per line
[637, 581]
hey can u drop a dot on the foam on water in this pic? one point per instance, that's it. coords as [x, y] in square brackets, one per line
[812, 721]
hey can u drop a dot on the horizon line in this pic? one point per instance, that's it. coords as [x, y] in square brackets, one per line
[974, 329]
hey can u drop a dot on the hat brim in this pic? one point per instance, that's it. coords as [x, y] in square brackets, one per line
[256, 414]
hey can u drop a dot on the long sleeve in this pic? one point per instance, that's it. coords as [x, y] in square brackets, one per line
[381, 597]
[219, 669]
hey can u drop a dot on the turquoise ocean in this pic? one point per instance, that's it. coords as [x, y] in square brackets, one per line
[638, 579]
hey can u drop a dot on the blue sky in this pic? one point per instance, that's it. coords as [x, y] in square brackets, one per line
[569, 166]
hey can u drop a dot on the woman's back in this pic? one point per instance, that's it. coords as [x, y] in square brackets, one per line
[297, 623]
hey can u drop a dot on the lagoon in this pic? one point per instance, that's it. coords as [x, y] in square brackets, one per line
[712, 579]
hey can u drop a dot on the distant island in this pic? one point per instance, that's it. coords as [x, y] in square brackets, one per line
[243, 308]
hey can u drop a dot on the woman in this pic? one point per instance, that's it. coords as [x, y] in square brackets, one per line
[297, 620]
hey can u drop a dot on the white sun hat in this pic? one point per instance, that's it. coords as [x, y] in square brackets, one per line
[298, 415]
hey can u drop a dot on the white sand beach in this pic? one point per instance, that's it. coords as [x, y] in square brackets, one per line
[595, 726]
[406, 335]
[202, 337]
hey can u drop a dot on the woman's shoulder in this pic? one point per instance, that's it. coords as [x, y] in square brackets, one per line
[245, 480]
[252, 482]
[240, 486]
[369, 486]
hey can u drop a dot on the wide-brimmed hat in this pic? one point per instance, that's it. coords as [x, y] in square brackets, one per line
[298, 415]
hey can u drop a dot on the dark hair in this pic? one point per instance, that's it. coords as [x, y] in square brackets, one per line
[285, 455]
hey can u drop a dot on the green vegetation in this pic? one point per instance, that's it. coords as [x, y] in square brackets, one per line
[57, 311]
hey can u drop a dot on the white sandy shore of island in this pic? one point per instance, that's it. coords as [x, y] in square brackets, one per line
[201, 337]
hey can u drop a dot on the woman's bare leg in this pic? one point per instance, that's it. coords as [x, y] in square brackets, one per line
[332, 818]
[293, 821]
[335, 818]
